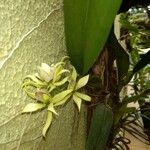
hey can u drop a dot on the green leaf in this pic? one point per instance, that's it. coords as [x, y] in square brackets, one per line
[100, 129]
[122, 111]
[87, 26]
[83, 96]
[122, 57]
[32, 107]
[126, 110]
[82, 82]
[138, 97]
[145, 60]
[125, 24]
[47, 124]
[59, 97]
[51, 108]
[78, 101]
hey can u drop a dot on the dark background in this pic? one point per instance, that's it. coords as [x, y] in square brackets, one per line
[126, 4]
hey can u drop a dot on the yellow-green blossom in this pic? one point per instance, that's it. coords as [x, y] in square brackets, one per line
[51, 87]
[76, 86]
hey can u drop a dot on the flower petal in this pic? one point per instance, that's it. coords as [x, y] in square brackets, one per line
[82, 82]
[45, 67]
[78, 101]
[51, 87]
[44, 75]
[64, 58]
[46, 72]
[35, 79]
[62, 72]
[51, 108]
[57, 70]
[47, 124]
[63, 81]
[73, 77]
[83, 96]
[59, 97]
[59, 64]
[32, 107]
[74, 74]
[30, 94]
[63, 101]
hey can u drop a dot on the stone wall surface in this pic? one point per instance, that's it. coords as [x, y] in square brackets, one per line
[32, 32]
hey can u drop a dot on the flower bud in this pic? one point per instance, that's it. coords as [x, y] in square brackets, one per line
[46, 72]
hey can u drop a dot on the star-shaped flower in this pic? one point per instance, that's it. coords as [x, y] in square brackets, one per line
[40, 87]
[76, 86]
[44, 101]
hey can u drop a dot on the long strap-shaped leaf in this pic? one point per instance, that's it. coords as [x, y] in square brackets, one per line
[100, 128]
[87, 25]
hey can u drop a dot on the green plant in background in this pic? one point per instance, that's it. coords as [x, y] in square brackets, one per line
[88, 41]
[135, 32]
[53, 86]
[135, 26]
[101, 125]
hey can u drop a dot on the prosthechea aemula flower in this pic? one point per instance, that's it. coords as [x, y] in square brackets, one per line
[40, 87]
[43, 101]
[48, 77]
[76, 86]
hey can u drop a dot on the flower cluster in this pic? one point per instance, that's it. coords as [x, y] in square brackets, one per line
[53, 86]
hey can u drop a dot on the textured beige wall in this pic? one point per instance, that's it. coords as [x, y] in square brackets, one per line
[32, 32]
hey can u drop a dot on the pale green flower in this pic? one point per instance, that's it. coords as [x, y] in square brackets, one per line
[58, 79]
[76, 86]
[40, 87]
[43, 103]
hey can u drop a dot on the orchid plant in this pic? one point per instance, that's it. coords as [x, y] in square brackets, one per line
[53, 86]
